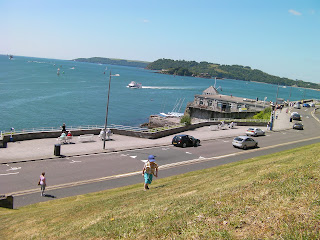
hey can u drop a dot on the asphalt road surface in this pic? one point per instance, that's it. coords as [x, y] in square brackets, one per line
[91, 173]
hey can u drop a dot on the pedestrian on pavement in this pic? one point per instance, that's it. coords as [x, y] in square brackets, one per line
[42, 183]
[64, 128]
[149, 170]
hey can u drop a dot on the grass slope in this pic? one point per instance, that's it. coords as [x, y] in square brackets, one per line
[269, 197]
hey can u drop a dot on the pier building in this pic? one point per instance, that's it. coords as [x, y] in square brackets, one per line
[212, 104]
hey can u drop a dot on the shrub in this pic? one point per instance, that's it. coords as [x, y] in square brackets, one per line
[186, 119]
[265, 114]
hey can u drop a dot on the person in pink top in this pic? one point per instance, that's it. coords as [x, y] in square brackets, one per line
[42, 183]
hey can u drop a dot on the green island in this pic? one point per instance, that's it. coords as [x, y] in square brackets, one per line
[211, 70]
[204, 70]
[269, 197]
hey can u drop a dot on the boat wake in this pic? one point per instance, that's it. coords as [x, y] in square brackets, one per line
[167, 87]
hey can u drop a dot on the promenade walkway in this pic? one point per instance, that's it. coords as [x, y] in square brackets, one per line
[39, 149]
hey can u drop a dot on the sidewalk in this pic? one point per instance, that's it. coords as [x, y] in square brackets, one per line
[282, 119]
[39, 149]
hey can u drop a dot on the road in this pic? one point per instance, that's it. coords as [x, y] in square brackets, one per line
[72, 176]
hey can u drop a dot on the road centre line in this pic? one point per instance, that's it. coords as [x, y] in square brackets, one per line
[166, 166]
[5, 174]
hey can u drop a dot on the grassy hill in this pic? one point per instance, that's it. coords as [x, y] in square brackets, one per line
[268, 197]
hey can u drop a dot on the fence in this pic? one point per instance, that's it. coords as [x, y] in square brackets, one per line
[72, 128]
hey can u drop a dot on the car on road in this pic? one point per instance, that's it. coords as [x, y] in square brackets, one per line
[298, 126]
[297, 106]
[296, 116]
[255, 132]
[306, 105]
[244, 142]
[184, 140]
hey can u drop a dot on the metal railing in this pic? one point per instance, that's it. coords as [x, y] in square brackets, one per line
[73, 128]
[237, 120]
[122, 127]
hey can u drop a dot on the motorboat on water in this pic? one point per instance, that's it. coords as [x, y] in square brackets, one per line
[134, 84]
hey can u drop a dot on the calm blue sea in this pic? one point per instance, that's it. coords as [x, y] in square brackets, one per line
[32, 95]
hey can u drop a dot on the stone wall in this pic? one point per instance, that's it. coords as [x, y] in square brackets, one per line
[205, 114]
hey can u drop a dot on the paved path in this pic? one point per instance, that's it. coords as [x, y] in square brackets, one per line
[39, 149]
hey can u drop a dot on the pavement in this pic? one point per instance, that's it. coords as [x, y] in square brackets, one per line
[42, 149]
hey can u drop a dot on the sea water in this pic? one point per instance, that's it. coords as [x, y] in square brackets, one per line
[36, 92]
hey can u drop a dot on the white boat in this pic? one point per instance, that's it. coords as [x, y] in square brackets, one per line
[171, 114]
[175, 111]
[134, 84]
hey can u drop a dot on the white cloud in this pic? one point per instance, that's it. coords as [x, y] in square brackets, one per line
[295, 12]
[146, 20]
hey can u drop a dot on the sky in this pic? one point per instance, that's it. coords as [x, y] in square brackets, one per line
[279, 37]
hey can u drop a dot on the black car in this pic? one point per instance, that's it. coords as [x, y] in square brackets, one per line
[296, 117]
[185, 141]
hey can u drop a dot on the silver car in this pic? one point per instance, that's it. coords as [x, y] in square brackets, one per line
[244, 142]
[255, 132]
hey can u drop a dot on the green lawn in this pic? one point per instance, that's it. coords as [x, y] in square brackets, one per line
[269, 197]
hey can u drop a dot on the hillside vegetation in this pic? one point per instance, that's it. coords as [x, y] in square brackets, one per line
[268, 197]
[209, 70]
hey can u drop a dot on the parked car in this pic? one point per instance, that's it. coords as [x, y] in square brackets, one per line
[255, 132]
[306, 105]
[298, 126]
[297, 106]
[185, 141]
[244, 142]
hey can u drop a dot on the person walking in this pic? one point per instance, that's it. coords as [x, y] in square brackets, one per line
[149, 170]
[63, 128]
[42, 183]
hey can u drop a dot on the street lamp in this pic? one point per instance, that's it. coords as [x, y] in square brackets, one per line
[105, 125]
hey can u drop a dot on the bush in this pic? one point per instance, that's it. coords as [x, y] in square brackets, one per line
[265, 114]
[186, 119]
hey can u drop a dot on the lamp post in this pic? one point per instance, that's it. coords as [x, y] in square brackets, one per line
[105, 125]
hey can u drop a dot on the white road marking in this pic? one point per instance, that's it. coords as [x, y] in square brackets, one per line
[228, 155]
[14, 168]
[165, 149]
[201, 157]
[225, 141]
[144, 161]
[188, 153]
[73, 161]
[5, 174]
[123, 155]
[133, 156]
